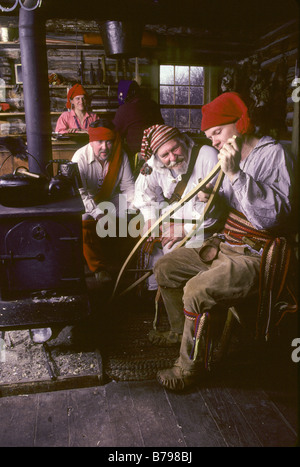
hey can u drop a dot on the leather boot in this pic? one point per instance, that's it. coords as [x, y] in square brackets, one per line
[172, 299]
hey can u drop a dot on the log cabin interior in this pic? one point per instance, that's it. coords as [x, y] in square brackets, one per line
[93, 384]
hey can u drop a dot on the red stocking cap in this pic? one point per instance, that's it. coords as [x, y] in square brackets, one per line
[226, 108]
[101, 134]
[76, 90]
[156, 136]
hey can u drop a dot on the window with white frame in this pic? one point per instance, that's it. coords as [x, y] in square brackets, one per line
[181, 96]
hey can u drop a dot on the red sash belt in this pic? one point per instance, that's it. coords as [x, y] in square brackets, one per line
[111, 177]
[275, 265]
[274, 280]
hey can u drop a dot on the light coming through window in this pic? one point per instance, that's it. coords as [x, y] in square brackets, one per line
[181, 96]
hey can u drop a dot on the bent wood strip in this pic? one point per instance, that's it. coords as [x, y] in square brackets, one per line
[206, 209]
[191, 233]
[188, 235]
[184, 200]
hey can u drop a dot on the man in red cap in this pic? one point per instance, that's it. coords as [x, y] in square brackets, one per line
[253, 252]
[77, 118]
[106, 177]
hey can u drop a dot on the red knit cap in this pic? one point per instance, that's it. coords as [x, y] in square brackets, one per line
[156, 136]
[226, 108]
[101, 134]
[76, 90]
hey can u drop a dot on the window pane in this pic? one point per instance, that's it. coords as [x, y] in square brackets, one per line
[182, 118]
[197, 75]
[182, 86]
[196, 118]
[168, 116]
[196, 95]
[166, 74]
[181, 75]
[167, 95]
[181, 95]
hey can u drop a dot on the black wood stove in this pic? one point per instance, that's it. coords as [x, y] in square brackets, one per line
[41, 262]
[41, 265]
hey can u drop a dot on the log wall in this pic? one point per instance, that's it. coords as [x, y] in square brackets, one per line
[100, 77]
[66, 47]
[279, 49]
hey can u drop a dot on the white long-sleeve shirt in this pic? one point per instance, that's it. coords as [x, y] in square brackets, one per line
[262, 187]
[92, 175]
[152, 190]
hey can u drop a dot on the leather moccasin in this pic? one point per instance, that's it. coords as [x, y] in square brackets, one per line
[177, 378]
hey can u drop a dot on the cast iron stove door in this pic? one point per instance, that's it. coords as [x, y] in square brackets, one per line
[42, 255]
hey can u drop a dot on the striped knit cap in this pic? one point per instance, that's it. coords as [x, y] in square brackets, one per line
[154, 137]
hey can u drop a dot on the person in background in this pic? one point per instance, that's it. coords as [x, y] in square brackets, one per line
[106, 177]
[254, 246]
[173, 159]
[135, 113]
[77, 118]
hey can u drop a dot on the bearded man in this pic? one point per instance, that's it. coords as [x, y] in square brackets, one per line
[174, 166]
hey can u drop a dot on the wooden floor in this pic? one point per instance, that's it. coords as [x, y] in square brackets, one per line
[223, 411]
[249, 401]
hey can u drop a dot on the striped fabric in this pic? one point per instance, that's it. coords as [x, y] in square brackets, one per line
[156, 136]
[110, 179]
[237, 226]
[274, 283]
[201, 332]
[274, 270]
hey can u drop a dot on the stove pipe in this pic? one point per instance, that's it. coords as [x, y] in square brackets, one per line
[32, 34]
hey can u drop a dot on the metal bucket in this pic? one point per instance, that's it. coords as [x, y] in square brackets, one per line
[121, 38]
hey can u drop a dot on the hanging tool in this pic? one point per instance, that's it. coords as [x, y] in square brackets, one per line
[137, 78]
[124, 64]
[80, 69]
[99, 73]
[92, 75]
[104, 69]
[117, 71]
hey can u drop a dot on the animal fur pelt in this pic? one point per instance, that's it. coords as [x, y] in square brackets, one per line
[15, 146]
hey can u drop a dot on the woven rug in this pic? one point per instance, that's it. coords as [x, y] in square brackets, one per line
[126, 350]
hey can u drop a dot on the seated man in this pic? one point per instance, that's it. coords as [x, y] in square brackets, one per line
[106, 177]
[175, 163]
[258, 187]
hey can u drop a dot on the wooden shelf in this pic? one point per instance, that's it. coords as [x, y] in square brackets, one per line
[11, 114]
[55, 45]
[20, 114]
[64, 86]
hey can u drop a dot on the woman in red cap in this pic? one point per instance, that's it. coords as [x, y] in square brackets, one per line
[250, 258]
[77, 119]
